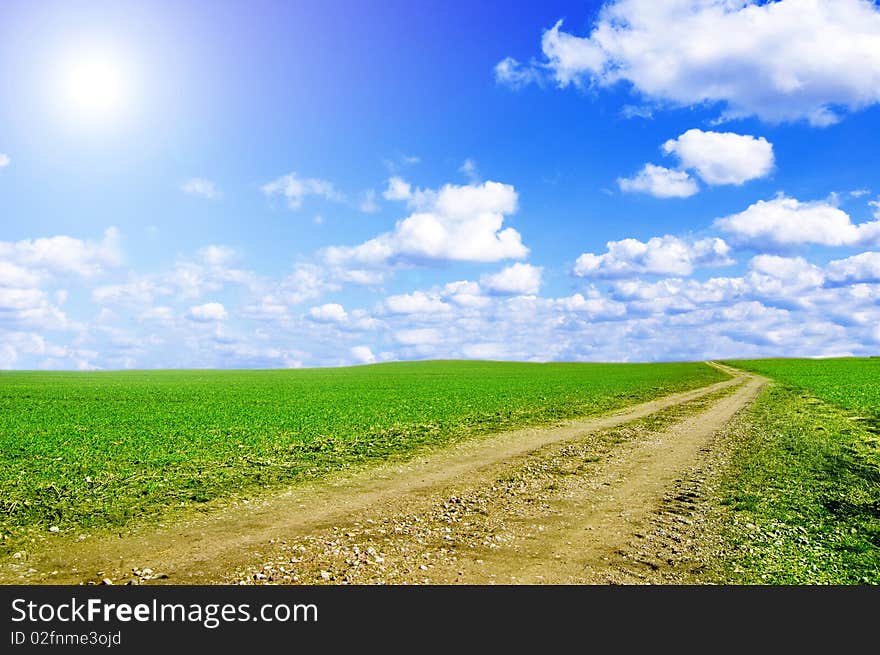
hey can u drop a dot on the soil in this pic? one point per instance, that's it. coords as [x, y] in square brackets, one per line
[600, 500]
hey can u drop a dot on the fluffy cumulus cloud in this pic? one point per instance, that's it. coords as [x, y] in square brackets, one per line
[864, 267]
[65, 255]
[676, 295]
[328, 313]
[666, 255]
[12, 275]
[783, 279]
[517, 279]
[722, 157]
[295, 189]
[780, 61]
[362, 354]
[715, 157]
[306, 282]
[594, 305]
[4, 160]
[638, 300]
[201, 187]
[454, 223]
[34, 274]
[417, 302]
[785, 222]
[660, 182]
[464, 294]
[398, 189]
[207, 313]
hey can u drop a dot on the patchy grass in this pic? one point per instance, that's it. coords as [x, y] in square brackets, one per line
[848, 382]
[801, 494]
[99, 450]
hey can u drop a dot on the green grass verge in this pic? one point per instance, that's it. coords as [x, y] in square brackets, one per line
[801, 495]
[849, 382]
[98, 450]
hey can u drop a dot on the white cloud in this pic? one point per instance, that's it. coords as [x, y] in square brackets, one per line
[401, 161]
[159, 314]
[456, 223]
[418, 337]
[12, 275]
[329, 313]
[464, 294]
[199, 186]
[417, 302]
[360, 320]
[214, 255]
[306, 283]
[268, 307]
[295, 189]
[358, 276]
[780, 61]
[209, 312]
[517, 279]
[398, 189]
[24, 303]
[363, 354]
[637, 111]
[4, 160]
[21, 299]
[675, 295]
[722, 157]
[511, 73]
[660, 182]
[18, 344]
[488, 350]
[594, 305]
[666, 255]
[208, 271]
[139, 291]
[193, 280]
[784, 222]
[64, 255]
[368, 202]
[469, 168]
[784, 278]
[864, 267]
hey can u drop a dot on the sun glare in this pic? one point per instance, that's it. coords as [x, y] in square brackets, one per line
[94, 86]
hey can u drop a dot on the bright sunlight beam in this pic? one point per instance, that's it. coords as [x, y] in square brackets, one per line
[94, 86]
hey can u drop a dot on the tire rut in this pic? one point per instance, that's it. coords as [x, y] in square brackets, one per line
[232, 543]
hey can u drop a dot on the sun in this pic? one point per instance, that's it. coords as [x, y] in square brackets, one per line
[94, 86]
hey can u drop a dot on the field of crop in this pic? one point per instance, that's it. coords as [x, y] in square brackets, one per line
[850, 383]
[803, 489]
[95, 450]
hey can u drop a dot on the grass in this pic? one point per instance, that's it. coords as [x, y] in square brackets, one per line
[102, 450]
[802, 492]
[850, 383]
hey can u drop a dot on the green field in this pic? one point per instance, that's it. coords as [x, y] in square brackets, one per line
[95, 450]
[849, 383]
[803, 489]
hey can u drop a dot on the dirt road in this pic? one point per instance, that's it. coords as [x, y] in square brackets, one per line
[548, 505]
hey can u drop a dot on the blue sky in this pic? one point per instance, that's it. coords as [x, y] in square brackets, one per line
[308, 184]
